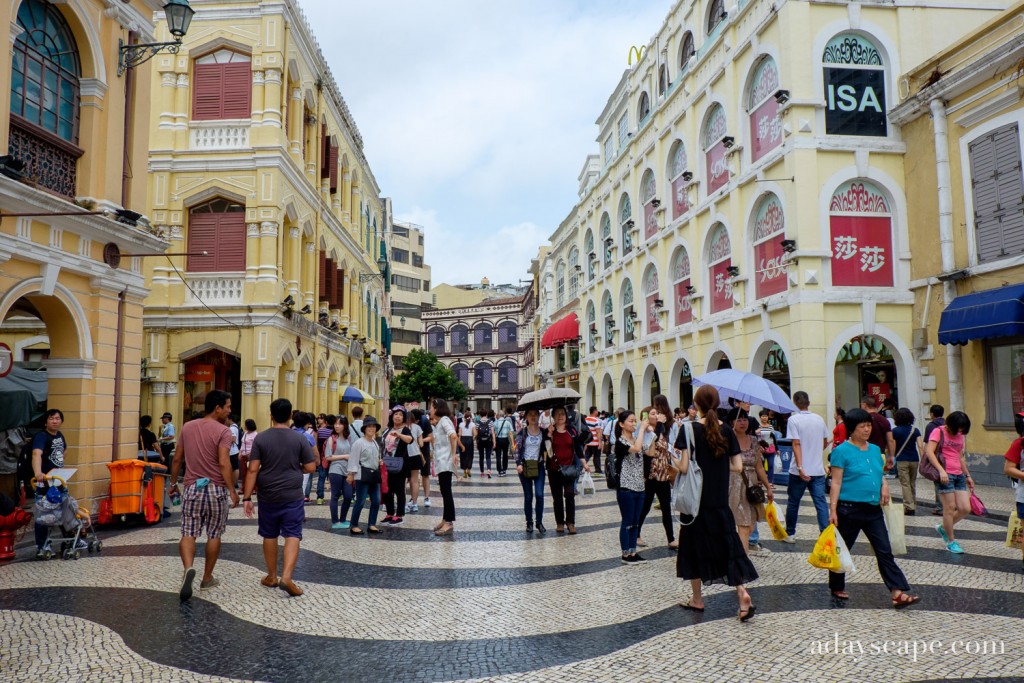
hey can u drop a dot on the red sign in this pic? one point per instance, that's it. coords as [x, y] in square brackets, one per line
[652, 314]
[718, 167]
[721, 286]
[765, 129]
[861, 251]
[683, 310]
[200, 373]
[650, 221]
[880, 392]
[6, 359]
[679, 203]
[769, 226]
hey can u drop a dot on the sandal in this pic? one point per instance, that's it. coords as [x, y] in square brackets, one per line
[374, 530]
[747, 614]
[445, 531]
[269, 582]
[903, 600]
[691, 607]
[841, 595]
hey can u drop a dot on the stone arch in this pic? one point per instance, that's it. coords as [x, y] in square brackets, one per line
[650, 373]
[719, 352]
[608, 389]
[87, 38]
[627, 390]
[591, 393]
[57, 307]
[679, 366]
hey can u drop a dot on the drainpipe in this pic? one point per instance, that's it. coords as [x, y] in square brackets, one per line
[118, 357]
[945, 189]
[129, 122]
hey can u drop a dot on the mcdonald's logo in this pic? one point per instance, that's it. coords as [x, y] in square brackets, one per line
[639, 52]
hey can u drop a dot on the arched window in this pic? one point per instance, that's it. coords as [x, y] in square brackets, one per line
[607, 240]
[719, 261]
[508, 341]
[483, 338]
[608, 309]
[592, 334]
[218, 228]
[45, 71]
[459, 339]
[686, 50]
[677, 166]
[769, 231]
[626, 223]
[560, 284]
[648, 190]
[854, 76]
[643, 108]
[461, 372]
[715, 149]
[765, 122]
[663, 81]
[682, 312]
[369, 314]
[574, 273]
[435, 340]
[508, 377]
[860, 222]
[588, 247]
[716, 15]
[652, 299]
[483, 378]
[628, 313]
[222, 86]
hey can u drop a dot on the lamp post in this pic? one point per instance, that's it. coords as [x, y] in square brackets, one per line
[179, 16]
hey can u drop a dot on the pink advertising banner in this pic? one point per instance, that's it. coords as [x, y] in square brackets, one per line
[650, 221]
[861, 251]
[679, 203]
[721, 286]
[765, 129]
[718, 167]
[683, 310]
[769, 227]
[652, 314]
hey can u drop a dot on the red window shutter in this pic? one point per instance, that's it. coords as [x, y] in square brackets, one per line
[332, 159]
[202, 236]
[237, 91]
[325, 152]
[230, 238]
[207, 85]
[341, 288]
[323, 276]
[329, 282]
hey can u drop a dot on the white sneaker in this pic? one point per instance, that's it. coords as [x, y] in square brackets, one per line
[426, 502]
[415, 508]
[791, 540]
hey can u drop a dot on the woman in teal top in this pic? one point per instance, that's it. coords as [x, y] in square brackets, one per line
[857, 490]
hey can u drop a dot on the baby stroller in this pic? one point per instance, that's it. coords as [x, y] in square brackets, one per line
[57, 510]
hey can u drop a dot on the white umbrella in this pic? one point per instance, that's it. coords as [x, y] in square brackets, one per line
[548, 398]
[748, 387]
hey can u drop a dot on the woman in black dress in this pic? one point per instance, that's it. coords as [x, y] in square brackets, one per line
[709, 549]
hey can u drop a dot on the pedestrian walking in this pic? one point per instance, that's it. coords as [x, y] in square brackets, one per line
[337, 450]
[364, 474]
[658, 475]
[807, 468]
[710, 551]
[245, 447]
[858, 491]
[1013, 466]
[467, 435]
[629, 463]
[592, 454]
[531, 446]
[485, 440]
[444, 447]
[397, 437]
[236, 438]
[946, 451]
[908, 457]
[204, 447]
[277, 462]
[936, 413]
[747, 512]
[565, 465]
[414, 459]
[423, 479]
[504, 428]
[49, 452]
[881, 434]
[167, 436]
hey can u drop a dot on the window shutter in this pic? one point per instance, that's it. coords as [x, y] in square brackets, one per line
[332, 159]
[230, 241]
[998, 192]
[341, 287]
[237, 91]
[322, 293]
[202, 236]
[331, 284]
[325, 153]
[207, 85]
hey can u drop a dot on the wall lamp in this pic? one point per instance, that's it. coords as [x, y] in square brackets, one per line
[734, 271]
[659, 303]
[12, 167]
[608, 241]
[687, 176]
[633, 315]
[179, 16]
[691, 290]
[782, 96]
[306, 310]
[789, 246]
[288, 301]
[630, 224]
[655, 202]
[578, 268]
[728, 141]
[382, 265]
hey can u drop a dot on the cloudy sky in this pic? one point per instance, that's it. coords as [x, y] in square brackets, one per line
[477, 115]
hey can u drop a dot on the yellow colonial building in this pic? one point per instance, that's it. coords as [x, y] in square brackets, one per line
[962, 120]
[74, 136]
[257, 176]
[748, 206]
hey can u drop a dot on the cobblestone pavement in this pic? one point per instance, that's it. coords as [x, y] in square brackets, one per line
[495, 603]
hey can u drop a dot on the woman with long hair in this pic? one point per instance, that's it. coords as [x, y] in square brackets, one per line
[531, 443]
[629, 463]
[658, 473]
[467, 435]
[947, 453]
[337, 448]
[566, 454]
[746, 512]
[445, 441]
[710, 551]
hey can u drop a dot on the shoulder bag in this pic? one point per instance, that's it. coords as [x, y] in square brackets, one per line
[927, 468]
[688, 486]
[370, 475]
[755, 494]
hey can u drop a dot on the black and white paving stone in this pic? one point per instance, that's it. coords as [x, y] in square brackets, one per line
[496, 603]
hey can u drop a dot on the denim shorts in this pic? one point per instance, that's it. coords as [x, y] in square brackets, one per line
[281, 519]
[957, 482]
[1020, 510]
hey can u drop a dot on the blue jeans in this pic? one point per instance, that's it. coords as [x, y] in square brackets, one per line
[795, 492]
[321, 475]
[362, 489]
[631, 504]
[533, 494]
[340, 488]
[755, 536]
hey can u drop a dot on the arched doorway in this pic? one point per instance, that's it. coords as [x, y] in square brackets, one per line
[655, 386]
[591, 392]
[865, 366]
[629, 391]
[207, 368]
[608, 391]
[685, 385]
[774, 365]
[719, 361]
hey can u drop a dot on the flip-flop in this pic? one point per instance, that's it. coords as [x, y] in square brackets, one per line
[374, 530]
[747, 614]
[268, 582]
[687, 605]
[840, 595]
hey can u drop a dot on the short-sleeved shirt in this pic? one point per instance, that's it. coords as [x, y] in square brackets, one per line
[952, 446]
[234, 440]
[880, 428]
[167, 431]
[862, 472]
[148, 439]
[906, 443]
[338, 445]
[931, 426]
[53, 447]
[531, 445]
[442, 450]
[414, 446]
[357, 427]
[631, 466]
[281, 454]
[1014, 456]
[200, 440]
[594, 425]
[812, 432]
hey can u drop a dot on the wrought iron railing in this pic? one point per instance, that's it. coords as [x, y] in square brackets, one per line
[50, 162]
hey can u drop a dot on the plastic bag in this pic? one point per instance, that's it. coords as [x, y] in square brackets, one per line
[845, 559]
[895, 524]
[1015, 532]
[826, 554]
[775, 521]
[586, 484]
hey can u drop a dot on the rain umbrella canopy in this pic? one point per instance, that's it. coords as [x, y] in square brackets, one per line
[745, 386]
[547, 398]
[352, 395]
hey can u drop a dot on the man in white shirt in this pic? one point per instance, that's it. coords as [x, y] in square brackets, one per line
[810, 435]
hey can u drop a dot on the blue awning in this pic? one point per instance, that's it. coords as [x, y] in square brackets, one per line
[983, 315]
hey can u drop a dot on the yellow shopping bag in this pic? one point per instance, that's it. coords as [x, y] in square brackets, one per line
[826, 554]
[1015, 532]
[775, 523]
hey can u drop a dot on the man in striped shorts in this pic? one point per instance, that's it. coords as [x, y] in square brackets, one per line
[204, 445]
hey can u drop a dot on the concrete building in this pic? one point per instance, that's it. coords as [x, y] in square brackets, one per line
[962, 121]
[747, 208]
[486, 344]
[410, 290]
[73, 127]
[256, 160]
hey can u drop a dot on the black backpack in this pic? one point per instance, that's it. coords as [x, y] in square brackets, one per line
[612, 469]
[483, 430]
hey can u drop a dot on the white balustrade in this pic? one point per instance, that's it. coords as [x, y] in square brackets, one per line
[219, 135]
[214, 290]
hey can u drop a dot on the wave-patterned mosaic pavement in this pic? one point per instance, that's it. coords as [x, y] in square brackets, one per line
[496, 603]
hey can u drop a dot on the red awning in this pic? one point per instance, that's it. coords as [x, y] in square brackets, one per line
[565, 330]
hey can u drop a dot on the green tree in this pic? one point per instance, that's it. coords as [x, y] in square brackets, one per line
[425, 377]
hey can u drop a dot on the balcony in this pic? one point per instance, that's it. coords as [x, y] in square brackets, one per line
[218, 135]
[215, 290]
[50, 162]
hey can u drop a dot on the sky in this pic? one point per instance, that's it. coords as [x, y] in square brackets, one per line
[477, 115]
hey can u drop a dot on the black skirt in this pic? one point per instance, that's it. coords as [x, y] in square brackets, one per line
[710, 550]
[466, 456]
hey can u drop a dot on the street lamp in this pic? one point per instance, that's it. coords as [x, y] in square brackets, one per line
[179, 16]
[382, 264]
